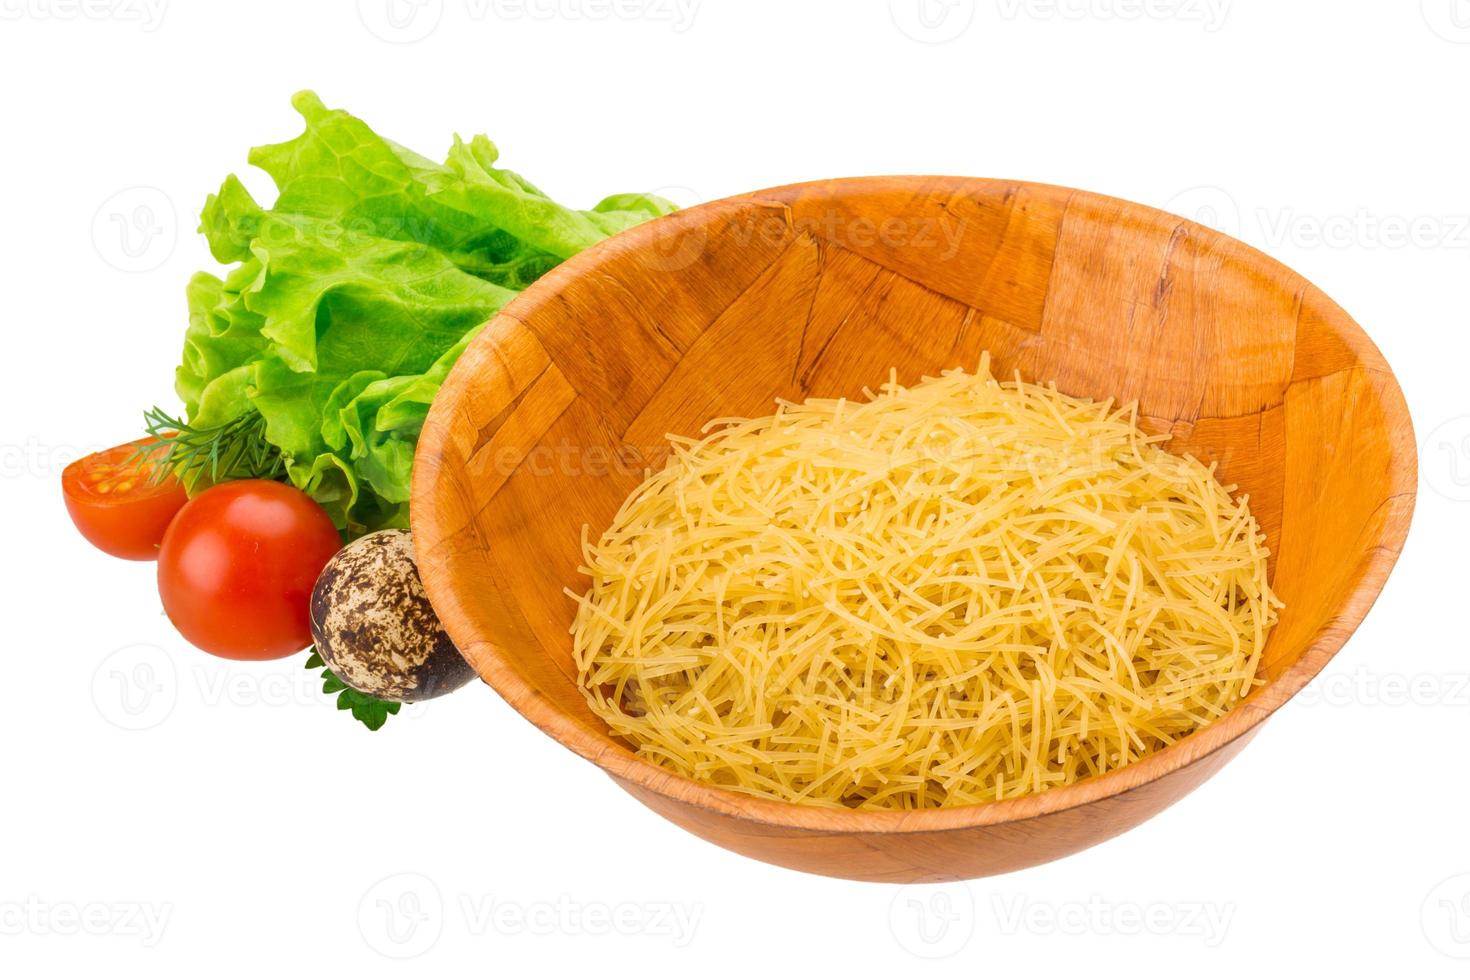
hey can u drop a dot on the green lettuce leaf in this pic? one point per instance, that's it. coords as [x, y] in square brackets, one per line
[349, 299]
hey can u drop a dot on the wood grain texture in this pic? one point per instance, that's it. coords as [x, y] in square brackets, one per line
[552, 415]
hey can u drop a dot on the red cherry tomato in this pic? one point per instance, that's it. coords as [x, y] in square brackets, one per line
[237, 567]
[119, 501]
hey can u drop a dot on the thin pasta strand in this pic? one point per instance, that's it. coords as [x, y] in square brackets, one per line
[961, 591]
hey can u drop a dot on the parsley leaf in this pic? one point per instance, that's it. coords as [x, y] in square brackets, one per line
[371, 711]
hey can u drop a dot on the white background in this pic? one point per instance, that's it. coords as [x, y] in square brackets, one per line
[170, 815]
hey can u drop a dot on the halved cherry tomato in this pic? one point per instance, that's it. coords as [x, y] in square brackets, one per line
[237, 567]
[119, 502]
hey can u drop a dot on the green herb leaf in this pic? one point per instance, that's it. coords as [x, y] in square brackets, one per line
[205, 455]
[371, 711]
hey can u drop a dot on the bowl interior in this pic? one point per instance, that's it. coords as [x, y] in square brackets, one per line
[553, 414]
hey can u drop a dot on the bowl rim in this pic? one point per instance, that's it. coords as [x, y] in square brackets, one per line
[1366, 579]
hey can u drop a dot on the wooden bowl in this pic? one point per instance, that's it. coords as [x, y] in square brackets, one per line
[552, 414]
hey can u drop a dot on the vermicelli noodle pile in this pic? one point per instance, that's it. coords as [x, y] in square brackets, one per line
[962, 591]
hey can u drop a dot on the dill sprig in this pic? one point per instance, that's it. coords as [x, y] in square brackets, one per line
[235, 450]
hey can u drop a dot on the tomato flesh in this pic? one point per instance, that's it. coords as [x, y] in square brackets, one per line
[119, 501]
[237, 567]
